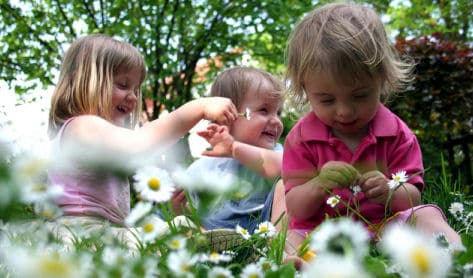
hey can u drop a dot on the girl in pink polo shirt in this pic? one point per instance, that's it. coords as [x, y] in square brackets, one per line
[94, 109]
[342, 64]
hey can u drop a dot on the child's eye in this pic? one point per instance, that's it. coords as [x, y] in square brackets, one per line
[360, 96]
[327, 101]
[263, 110]
[121, 85]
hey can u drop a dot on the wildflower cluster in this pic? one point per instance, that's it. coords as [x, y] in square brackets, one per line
[160, 244]
[461, 211]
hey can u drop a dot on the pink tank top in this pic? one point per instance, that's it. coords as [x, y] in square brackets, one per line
[88, 192]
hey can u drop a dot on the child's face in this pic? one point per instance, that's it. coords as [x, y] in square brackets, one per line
[126, 84]
[346, 108]
[264, 128]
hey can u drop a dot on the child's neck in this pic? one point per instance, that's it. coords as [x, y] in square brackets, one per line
[352, 140]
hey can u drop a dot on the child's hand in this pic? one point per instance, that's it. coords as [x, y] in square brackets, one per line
[219, 109]
[375, 186]
[220, 139]
[337, 174]
[179, 201]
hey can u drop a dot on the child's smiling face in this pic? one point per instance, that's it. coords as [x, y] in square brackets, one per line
[264, 126]
[126, 84]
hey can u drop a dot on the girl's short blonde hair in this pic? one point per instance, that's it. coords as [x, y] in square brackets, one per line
[348, 42]
[86, 79]
[234, 83]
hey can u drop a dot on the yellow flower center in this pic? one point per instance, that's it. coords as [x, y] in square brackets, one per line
[244, 231]
[253, 275]
[34, 167]
[421, 261]
[308, 256]
[185, 267]
[263, 229]
[175, 244]
[154, 184]
[266, 266]
[53, 267]
[148, 228]
[397, 178]
[48, 214]
[39, 187]
[214, 255]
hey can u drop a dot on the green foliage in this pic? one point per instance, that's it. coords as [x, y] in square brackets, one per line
[184, 42]
[423, 17]
[439, 102]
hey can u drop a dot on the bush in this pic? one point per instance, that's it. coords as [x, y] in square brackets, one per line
[438, 104]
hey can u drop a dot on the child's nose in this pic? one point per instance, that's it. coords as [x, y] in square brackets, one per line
[275, 120]
[131, 96]
[345, 110]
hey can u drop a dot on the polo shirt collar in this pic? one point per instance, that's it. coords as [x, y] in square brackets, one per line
[384, 124]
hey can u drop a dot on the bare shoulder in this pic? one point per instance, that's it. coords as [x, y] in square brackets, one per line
[85, 126]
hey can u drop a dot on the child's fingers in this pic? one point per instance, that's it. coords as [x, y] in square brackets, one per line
[370, 175]
[332, 178]
[343, 173]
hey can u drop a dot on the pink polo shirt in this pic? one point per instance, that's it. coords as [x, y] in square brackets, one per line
[388, 147]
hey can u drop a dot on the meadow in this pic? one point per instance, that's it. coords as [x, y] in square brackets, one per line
[169, 246]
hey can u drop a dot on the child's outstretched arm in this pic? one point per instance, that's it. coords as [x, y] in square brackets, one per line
[265, 162]
[92, 131]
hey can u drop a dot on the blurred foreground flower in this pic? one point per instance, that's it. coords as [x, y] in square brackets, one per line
[205, 182]
[415, 254]
[331, 265]
[31, 262]
[341, 236]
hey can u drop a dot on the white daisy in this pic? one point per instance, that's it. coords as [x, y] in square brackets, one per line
[333, 201]
[39, 192]
[47, 210]
[220, 272]
[177, 242]
[468, 270]
[242, 231]
[215, 258]
[246, 114]
[112, 256]
[342, 236]
[252, 271]
[266, 264]
[397, 179]
[266, 229]
[199, 181]
[140, 210]
[152, 227]
[330, 265]
[414, 253]
[180, 263]
[154, 184]
[30, 262]
[355, 189]
[456, 209]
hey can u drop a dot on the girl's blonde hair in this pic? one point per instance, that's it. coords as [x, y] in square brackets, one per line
[86, 79]
[347, 42]
[234, 83]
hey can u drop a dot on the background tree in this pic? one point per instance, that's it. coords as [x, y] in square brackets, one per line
[414, 18]
[181, 39]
